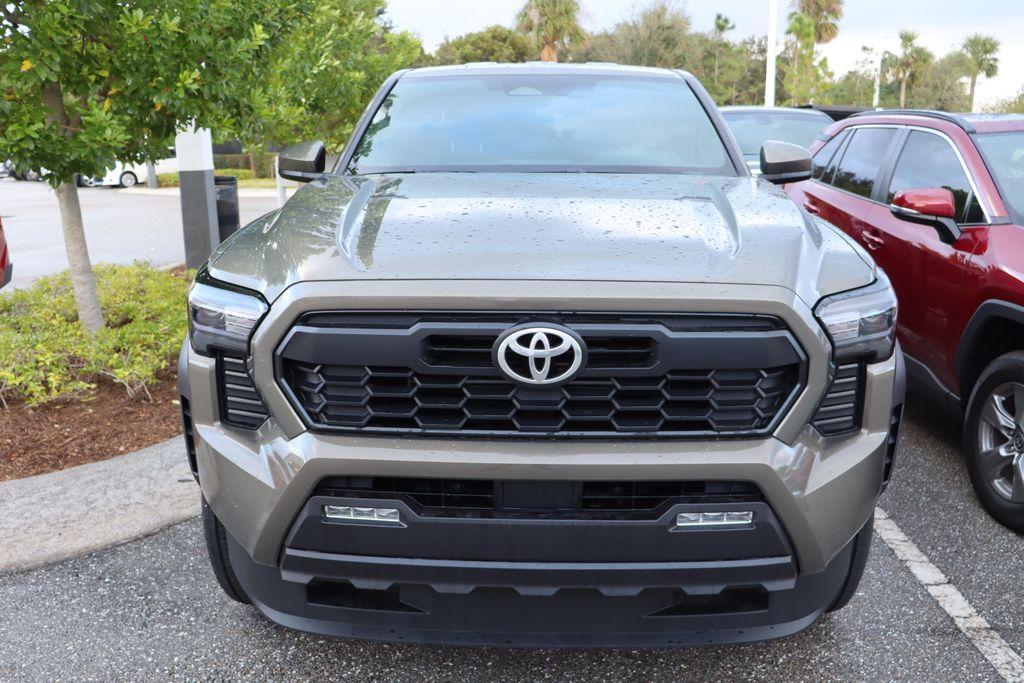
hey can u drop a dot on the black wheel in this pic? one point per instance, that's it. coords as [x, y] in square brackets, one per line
[217, 547]
[858, 560]
[994, 440]
[128, 179]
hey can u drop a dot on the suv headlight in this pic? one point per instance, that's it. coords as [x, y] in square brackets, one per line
[861, 322]
[221, 315]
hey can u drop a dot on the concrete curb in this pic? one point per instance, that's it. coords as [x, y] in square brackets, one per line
[59, 515]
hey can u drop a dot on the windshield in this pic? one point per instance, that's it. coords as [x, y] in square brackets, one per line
[1004, 155]
[752, 128]
[541, 123]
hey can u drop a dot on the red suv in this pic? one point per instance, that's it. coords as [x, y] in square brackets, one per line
[938, 201]
[6, 267]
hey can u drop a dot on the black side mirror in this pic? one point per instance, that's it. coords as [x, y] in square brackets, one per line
[302, 162]
[782, 162]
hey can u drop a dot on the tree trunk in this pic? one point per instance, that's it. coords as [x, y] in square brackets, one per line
[974, 82]
[82, 281]
[549, 53]
[903, 92]
[252, 164]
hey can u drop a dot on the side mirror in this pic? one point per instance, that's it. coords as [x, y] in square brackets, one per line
[932, 206]
[782, 162]
[302, 162]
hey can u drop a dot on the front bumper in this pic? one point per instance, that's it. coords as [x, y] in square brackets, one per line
[819, 493]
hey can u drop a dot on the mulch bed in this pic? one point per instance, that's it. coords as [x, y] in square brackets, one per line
[97, 426]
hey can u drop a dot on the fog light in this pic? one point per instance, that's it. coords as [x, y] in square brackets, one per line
[348, 513]
[706, 519]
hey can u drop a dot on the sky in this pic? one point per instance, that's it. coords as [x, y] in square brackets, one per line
[942, 25]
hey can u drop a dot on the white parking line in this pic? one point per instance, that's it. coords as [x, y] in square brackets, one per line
[990, 644]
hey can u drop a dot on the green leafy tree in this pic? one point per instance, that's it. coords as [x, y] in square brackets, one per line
[492, 44]
[939, 84]
[824, 14]
[722, 26]
[320, 79]
[800, 76]
[982, 59]
[554, 25]
[904, 66]
[655, 36]
[86, 83]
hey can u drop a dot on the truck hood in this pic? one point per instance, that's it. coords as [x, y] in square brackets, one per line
[504, 226]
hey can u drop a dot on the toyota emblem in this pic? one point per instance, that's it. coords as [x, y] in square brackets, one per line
[539, 355]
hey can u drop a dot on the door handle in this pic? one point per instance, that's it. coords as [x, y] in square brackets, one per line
[811, 207]
[873, 241]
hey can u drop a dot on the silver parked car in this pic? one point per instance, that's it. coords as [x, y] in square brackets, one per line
[753, 126]
[510, 374]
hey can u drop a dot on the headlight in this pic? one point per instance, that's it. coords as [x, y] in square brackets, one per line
[861, 322]
[221, 315]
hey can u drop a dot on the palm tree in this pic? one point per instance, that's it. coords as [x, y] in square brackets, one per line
[908, 62]
[981, 54]
[553, 23]
[825, 14]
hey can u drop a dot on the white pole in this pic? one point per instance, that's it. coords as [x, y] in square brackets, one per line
[878, 79]
[282, 196]
[769, 72]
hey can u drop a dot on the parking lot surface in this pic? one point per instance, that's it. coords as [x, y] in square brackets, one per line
[151, 609]
[121, 226]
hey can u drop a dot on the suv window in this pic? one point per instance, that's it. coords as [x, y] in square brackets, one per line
[862, 160]
[825, 154]
[928, 161]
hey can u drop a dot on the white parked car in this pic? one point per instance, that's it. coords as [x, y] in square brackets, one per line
[129, 175]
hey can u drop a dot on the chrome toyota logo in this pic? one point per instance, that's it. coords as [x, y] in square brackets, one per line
[539, 355]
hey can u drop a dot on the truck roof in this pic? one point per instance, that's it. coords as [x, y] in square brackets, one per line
[597, 68]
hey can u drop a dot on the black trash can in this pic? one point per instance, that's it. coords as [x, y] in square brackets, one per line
[226, 189]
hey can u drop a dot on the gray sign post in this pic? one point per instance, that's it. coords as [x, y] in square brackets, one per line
[194, 149]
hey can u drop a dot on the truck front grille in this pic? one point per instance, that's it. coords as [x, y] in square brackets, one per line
[432, 374]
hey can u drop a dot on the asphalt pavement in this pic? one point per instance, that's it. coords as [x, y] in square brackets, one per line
[121, 226]
[151, 610]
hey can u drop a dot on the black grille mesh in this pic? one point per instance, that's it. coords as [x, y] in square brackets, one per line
[398, 399]
[432, 373]
[469, 497]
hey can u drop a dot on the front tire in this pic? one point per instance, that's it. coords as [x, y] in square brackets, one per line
[128, 179]
[994, 440]
[217, 547]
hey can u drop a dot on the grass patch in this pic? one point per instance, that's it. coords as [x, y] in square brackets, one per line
[45, 354]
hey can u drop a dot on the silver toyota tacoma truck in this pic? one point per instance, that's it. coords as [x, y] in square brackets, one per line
[538, 362]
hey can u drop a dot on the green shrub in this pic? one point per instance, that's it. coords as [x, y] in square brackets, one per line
[45, 354]
[171, 179]
[264, 162]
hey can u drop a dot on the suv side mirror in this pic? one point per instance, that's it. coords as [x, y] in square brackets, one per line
[302, 162]
[932, 206]
[782, 162]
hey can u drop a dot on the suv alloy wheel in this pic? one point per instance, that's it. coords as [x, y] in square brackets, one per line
[994, 433]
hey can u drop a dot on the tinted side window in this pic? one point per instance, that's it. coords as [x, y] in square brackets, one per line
[862, 160]
[826, 153]
[928, 161]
